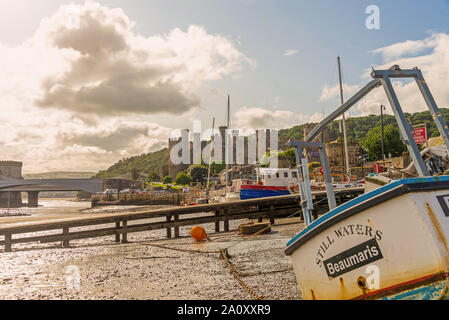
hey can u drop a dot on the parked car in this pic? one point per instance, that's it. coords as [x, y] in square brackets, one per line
[127, 190]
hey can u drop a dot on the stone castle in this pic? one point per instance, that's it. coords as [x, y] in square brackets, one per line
[172, 169]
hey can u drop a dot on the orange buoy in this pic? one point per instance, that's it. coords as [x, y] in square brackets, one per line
[198, 233]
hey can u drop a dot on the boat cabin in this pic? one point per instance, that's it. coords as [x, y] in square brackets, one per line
[277, 176]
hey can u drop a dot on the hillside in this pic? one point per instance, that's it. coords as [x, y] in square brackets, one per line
[357, 128]
[59, 175]
[143, 163]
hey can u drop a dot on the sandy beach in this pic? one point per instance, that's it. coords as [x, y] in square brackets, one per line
[150, 266]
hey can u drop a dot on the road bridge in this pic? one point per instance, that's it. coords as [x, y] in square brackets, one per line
[34, 186]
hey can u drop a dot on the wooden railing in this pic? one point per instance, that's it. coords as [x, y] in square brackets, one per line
[118, 224]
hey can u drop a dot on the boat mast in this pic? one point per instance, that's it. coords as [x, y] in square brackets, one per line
[210, 155]
[343, 122]
[228, 126]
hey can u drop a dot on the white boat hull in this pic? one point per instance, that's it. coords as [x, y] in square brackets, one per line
[390, 244]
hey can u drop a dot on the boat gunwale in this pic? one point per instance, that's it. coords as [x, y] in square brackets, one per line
[363, 202]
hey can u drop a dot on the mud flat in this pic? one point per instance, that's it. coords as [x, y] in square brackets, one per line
[153, 267]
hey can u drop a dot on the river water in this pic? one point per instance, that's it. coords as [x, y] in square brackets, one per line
[60, 208]
[48, 209]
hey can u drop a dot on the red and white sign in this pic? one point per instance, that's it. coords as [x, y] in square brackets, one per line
[377, 168]
[420, 135]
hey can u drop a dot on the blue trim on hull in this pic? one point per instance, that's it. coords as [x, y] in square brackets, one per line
[255, 193]
[434, 291]
[362, 198]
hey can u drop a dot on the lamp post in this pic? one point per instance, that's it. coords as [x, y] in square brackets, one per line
[382, 107]
[361, 160]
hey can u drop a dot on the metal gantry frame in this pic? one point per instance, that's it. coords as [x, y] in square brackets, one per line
[304, 180]
[382, 78]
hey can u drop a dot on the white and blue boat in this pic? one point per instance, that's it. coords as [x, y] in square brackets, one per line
[270, 182]
[390, 243]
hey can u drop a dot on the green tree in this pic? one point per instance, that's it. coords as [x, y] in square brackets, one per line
[288, 155]
[198, 172]
[135, 173]
[392, 142]
[216, 168]
[167, 179]
[183, 178]
[153, 176]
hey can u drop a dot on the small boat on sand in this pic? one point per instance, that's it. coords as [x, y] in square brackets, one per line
[270, 182]
[390, 243]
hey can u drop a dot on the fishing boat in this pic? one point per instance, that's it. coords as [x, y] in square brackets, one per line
[397, 233]
[273, 182]
[270, 182]
[389, 243]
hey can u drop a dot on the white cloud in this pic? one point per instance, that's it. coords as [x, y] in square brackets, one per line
[48, 141]
[259, 118]
[408, 47]
[328, 93]
[431, 55]
[81, 93]
[291, 52]
[112, 70]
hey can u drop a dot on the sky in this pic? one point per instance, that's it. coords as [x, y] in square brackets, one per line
[86, 83]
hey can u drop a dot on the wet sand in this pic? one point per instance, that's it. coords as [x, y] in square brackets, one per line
[142, 269]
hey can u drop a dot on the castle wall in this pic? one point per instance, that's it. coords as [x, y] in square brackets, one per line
[11, 170]
[336, 156]
[174, 169]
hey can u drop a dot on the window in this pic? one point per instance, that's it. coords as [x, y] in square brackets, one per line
[277, 174]
[294, 174]
[269, 176]
[285, 174]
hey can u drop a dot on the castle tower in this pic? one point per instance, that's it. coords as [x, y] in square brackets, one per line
[10, 170]
[222, 130]
[174, 169]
